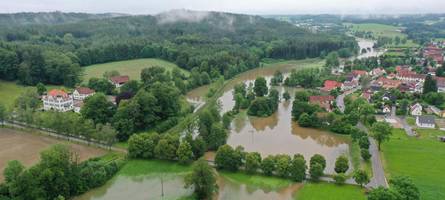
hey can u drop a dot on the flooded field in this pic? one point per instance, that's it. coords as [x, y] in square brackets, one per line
[26, 148]
[150, 188]
[369, 46]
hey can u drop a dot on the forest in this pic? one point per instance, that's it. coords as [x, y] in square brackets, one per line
[219, 44]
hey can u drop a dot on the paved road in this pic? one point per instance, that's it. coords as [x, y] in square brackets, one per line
[408, 130]
[378, 178]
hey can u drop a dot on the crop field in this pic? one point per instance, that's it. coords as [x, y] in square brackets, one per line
[26, 148]
[132, 68]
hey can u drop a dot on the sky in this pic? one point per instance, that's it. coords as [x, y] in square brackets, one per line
[236, 6]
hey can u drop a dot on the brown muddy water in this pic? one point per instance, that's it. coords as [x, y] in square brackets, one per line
[150, 188]
[279, 134]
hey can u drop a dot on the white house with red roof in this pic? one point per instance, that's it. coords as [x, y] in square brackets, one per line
[359, 73]
[81, 93]
[416, 109]
[57, 100]
[118, 81]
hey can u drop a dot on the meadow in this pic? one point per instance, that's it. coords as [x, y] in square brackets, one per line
[132, 68]
[318, 191]
[419, 158]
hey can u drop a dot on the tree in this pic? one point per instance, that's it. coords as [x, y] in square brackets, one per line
[382, 193]
[332, 60]
[260, 87]
[304, 120]
[217, 137]
[165, 150]
[361, 177]
[154, 74]
[131, 87]
[429, 85]
[316, 171]
[298, 168]
[340, 178]
[101, 85]
[228, 158]
[282, 165]
[317, 158]
[364, 142]
[142, 145]
[286, 96]
[203, 179]
[3, 114]
[126, 118]
[365, 154]
[13, 170]
[253, 162]
[97, 108]
[268, 165]
[41, 89]
[405, 187]
[381, 131]
[341, 164]
[184, 153]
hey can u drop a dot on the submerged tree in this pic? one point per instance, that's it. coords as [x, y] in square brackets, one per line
[203, 180]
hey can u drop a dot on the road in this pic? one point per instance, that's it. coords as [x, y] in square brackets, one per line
[378, 178]
[408, 130]
[65, 137]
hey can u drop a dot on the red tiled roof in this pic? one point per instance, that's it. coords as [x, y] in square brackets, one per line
[57, 93]
[359, 72]
[120, 79]
[330, 85]
[84, 90]
[314, 99]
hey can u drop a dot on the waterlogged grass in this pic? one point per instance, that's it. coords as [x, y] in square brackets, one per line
[132, 68]
[421, 158]
[319, 191]
[271, 183]
[148, 167]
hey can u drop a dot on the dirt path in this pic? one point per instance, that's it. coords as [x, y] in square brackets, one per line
[26, 148]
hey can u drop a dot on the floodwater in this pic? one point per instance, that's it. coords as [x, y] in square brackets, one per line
[150, 188]
[369, 46]
[279, 134]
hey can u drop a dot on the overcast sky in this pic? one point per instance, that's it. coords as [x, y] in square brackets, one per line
[237, 6]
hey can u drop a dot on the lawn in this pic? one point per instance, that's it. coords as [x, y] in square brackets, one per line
[131, 68]
[146, 167]
[319, 191]
[378, 29]
[271, 183]
[421, 158]
[9, 91]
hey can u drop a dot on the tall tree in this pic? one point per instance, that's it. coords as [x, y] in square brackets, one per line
[381, 131]
[203, 179]
[98, 108]
[260, 87]
[429, 85]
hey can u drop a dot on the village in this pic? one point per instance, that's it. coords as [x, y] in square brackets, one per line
[397, 94]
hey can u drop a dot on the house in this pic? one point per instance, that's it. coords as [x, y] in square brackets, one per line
[410, 76]
[416, 109]
[391, 76]
[57, 100]
[386, 83]
[81, 93]
[367, 96]
[357, 74]
[77, 105]
[377, 72]
[418, 87]
[440, 81]
[349, 85]
[425, 121]
[386, 109]
[331, 85]
[118, 81]
[435, 110]
[323, 101]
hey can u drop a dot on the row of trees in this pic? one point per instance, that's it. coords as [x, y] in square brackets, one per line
[282, 165]
[58, 175]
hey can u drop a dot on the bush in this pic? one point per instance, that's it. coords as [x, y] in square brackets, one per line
[365, 154]
[340, 179]
[341, 164]
[142, 145]
[364, 142]
[268, 165]
[298, 168]
[253, 162]
[228, 158]
[316, 171]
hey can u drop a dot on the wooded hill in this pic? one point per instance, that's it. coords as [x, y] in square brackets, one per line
[207, 42]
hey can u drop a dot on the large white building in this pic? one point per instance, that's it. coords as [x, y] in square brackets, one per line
[57, 100]
[81, 93]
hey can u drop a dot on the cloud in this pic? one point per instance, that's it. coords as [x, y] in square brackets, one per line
[238, 6]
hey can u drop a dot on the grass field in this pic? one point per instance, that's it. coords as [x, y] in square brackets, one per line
[321, 191]
[377, 29]
[9, 91]
[421, 158]
[131, 68]
[270, 183]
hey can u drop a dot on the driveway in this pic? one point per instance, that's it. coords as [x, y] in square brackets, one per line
[408, 129]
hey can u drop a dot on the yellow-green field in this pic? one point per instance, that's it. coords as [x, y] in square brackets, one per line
[131, 68]
[378, 29]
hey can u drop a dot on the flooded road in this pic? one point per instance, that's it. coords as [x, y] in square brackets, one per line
[279, 134]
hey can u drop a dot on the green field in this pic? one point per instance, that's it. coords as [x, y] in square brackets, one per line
[270, 183]
[131, 68]
[321, 191]
[377, 29]
[421, 158]
[9, 91]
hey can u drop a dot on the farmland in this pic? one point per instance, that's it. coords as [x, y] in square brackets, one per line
[422, 164]
[131, 68]
[25, 147]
